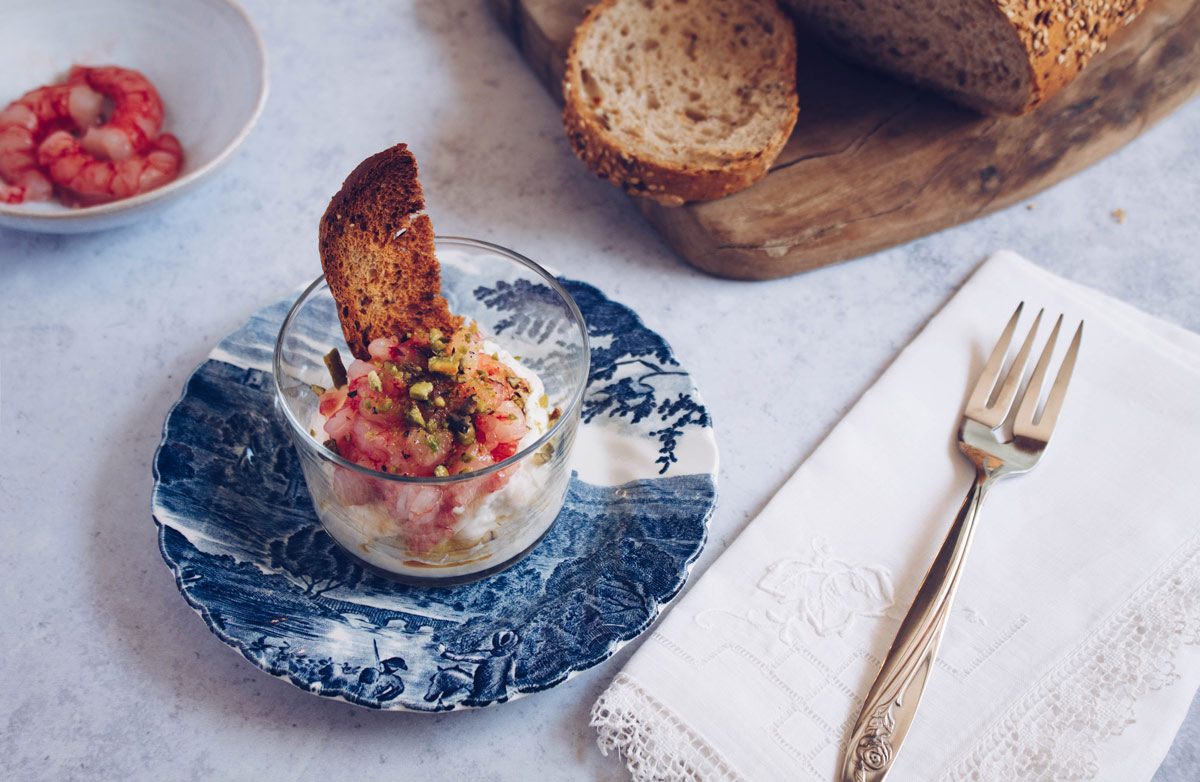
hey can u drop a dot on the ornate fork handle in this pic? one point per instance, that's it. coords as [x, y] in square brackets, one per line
[892, 702]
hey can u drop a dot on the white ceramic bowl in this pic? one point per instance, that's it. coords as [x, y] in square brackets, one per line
[204, 56]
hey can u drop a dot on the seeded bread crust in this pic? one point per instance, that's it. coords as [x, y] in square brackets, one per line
[1062, 36]
[378, 255]
[1053, 39]
[642, 173]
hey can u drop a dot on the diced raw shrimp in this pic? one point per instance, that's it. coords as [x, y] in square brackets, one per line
[505, 425]
[411, 501]
[419, 515]
[352, 488]
[498, 480]
[377, 407]
[358, 369]
[461, 494]
[371, 440]
[331, 401]
[427, 532]
[381, 348]
[503, 451]
[478, 458]
[340, 424]
[408, 353]
[427, 450]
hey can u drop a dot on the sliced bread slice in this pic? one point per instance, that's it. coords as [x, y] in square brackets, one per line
[378, 255]
[996, 56]
[681, 100]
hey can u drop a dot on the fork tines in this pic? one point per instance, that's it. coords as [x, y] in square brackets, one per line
[993, 415]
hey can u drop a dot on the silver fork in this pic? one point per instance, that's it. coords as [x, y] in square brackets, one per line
[892, 702]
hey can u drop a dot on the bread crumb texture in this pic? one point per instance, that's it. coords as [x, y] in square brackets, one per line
[996, 56]
[377, 252]
[681, 100]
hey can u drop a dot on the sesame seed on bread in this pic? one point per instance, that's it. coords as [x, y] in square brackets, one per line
[995, 56]
[378, 254]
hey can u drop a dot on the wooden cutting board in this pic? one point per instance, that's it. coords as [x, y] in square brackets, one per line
[874, 163]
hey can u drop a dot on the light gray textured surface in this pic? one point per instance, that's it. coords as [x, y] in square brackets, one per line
[112, 676]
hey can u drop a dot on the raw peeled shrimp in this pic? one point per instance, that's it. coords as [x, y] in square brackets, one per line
[25, 122]
[91, 181]
[137, 113]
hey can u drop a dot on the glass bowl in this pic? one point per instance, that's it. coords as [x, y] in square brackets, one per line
[491, 517]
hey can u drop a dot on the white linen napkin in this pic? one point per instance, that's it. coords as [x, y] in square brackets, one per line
[1073, 649]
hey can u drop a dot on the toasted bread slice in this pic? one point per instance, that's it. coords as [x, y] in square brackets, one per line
[681, 101]
[378, 256]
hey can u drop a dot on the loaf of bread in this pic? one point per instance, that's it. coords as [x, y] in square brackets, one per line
[378, 255]
[681, 100]
[996, 56]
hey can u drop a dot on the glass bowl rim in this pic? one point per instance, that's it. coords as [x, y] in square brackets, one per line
[574, 403]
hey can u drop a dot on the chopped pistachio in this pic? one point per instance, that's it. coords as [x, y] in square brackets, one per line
[337, 370]
[439, 401]
[543, 456]
[381, 406]
[514, 381]
[316, 389]
[443, 366]
[431, 426]
[466, 458]
[512, 416]
[391, 368]
[374, 382]
[544, 401]
[420, 390]
[413, 415]
[441, 471]
[435, 335]
[432, 442]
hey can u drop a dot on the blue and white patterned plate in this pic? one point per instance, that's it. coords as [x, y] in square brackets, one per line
[237, 528]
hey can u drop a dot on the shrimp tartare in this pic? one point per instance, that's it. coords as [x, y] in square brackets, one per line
[429, 404]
